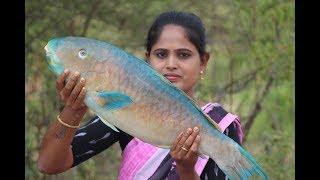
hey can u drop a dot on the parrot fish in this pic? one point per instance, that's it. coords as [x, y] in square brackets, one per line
[127, 93]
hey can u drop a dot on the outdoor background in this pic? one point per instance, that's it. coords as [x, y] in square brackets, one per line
[250, 72]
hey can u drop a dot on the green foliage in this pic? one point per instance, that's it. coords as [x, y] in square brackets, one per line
[250, 42]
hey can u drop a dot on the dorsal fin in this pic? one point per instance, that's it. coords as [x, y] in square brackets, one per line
[162, 78]
[182, 92]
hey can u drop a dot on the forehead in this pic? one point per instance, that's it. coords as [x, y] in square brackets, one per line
[173, 37]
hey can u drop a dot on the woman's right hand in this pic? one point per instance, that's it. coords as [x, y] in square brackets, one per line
[72, 94]
[55, 155]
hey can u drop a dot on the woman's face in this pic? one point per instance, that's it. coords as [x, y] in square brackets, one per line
[175, 57]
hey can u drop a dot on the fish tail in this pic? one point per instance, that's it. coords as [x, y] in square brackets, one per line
[245, 167]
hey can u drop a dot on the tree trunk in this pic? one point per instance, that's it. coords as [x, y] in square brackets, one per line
[257, 108]
[94, 8]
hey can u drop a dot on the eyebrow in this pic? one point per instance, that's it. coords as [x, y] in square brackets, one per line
[181, 49]
[161, 49]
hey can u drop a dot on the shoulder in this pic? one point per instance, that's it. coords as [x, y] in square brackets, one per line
[227, 121]
[215, 111]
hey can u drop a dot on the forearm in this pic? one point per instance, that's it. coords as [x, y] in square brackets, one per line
[55, 153]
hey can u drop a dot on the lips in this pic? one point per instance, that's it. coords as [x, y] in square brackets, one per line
[172, 77]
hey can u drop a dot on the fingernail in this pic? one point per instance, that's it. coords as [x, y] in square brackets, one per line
[198, 137]
[82, 80]
[180, 134]
[195, 129]
[189, 130]
[76, 73]
[66, 71]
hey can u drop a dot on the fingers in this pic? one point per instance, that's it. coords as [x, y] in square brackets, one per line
[185, 148]
[175, 143]
[193, 151]
[182, 140]
[65, 92]
[189, 141]
[76, 91]
[61, 79]
[79, 101]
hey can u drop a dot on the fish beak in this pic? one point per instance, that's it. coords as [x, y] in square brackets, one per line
[47, 50]
[53, 61]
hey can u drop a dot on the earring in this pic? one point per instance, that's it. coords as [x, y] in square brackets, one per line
[201, 77]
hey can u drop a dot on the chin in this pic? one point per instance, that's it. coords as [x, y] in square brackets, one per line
[177, 84]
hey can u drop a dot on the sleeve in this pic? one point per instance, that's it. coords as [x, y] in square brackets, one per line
[231, 131]
[230, 123]
[211, 170]
[91, 139]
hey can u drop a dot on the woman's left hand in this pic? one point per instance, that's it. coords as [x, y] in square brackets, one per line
[185, 150]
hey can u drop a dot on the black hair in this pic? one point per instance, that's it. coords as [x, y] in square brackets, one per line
[191, 23]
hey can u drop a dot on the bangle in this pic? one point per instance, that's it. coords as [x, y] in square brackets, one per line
[65, 124]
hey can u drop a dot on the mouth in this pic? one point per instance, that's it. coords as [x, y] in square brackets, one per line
[52, 60]
[172, 77]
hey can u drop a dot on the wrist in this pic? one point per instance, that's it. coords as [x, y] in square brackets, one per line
[184, 167]
[186, 170]
[70, 116]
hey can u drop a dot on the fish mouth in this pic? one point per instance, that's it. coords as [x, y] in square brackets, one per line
[52, 59]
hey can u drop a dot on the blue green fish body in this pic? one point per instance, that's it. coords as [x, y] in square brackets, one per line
[126, 92]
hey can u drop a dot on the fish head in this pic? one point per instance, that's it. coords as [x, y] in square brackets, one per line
[76, 54]
[53, 61]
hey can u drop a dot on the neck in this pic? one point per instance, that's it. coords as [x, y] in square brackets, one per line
[198, 102]
[191, 94]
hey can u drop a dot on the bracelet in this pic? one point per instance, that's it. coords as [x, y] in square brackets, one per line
[65, 124]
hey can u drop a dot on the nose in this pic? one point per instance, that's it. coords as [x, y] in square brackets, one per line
[171, 63]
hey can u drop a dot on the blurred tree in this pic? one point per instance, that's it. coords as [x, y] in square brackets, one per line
[250, 70]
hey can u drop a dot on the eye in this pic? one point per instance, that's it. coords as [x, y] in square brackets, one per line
[161, 55]
[82, 53]
[184, 55]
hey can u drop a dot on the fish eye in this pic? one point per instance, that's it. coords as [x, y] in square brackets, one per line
[82, 53]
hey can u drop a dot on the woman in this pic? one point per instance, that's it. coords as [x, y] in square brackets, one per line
[175, 47]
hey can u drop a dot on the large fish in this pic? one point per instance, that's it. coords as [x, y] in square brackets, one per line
[126, 92]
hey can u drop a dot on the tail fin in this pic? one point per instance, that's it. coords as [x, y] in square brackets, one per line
[245, 167]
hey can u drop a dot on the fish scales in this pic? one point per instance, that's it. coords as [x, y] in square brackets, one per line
[127, 93]
[176, 111]
[143, 87]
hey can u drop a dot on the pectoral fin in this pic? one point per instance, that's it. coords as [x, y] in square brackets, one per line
[113, 100]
